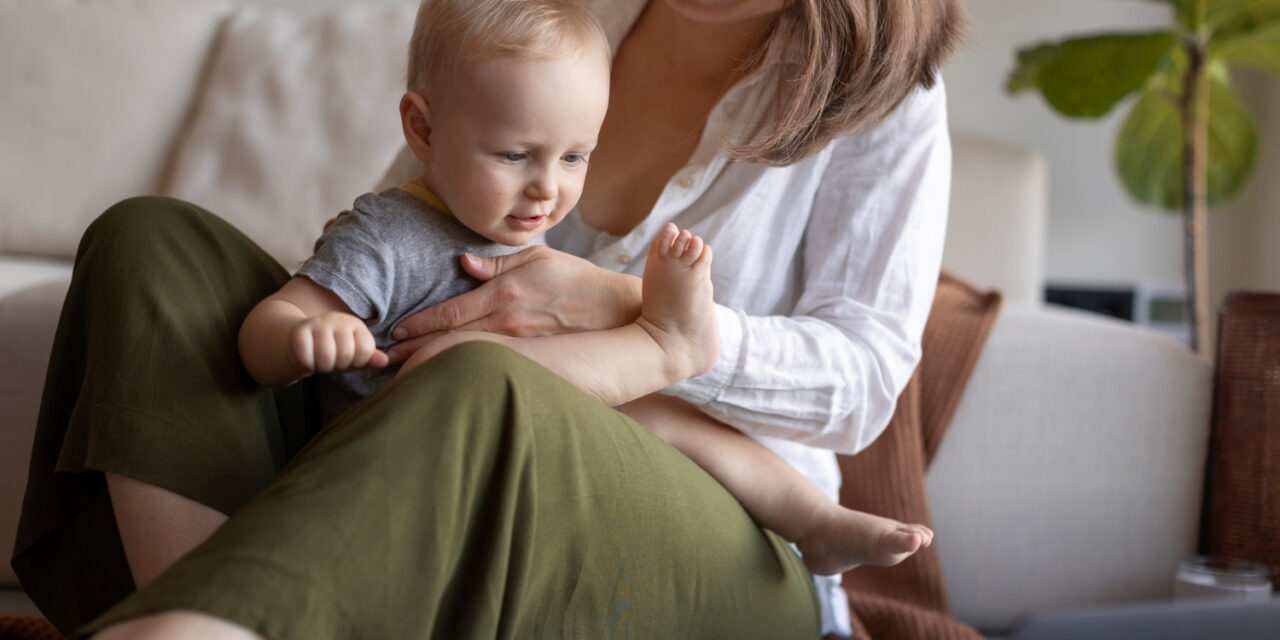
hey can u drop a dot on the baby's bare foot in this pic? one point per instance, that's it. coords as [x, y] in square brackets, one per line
[849, 538]
[677, 310]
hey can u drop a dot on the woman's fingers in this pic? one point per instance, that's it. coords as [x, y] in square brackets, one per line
[469, 307]
[539, 291]
[450, 314]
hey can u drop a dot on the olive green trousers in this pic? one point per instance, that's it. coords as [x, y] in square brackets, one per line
[479, 496]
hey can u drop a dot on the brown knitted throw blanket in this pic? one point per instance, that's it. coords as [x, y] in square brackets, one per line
[910, 600]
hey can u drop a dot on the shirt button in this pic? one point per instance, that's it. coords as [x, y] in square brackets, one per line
[624, 259]
[686, 181]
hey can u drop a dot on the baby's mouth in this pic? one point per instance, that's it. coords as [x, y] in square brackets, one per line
[526, 223]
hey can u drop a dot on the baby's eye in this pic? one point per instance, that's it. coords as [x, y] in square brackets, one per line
[514, 156]
[574, 158]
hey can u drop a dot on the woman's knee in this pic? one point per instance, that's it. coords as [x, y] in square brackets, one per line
[139, 218]
[476, 370]
[177, 245]
[475, 385]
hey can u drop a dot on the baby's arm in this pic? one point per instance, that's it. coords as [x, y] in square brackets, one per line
[303, 329]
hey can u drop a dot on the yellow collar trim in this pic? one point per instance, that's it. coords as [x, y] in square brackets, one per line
[426, 195]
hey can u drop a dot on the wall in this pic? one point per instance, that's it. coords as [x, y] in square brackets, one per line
[1096, 234]
[317, 5]
[1244, 236]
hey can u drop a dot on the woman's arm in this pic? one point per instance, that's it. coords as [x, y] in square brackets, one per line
[828, 373]
[536, 292]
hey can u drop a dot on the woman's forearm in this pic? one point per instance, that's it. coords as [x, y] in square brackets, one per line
[829, 384]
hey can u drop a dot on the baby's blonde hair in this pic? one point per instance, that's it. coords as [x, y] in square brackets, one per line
[449, 34]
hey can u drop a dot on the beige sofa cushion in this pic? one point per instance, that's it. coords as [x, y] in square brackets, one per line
[300, 115]
[1071, 473]
[92, 95]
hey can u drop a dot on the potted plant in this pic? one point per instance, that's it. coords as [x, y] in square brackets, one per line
[1188, 143]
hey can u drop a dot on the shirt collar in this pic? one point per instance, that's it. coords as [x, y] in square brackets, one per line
[421, 192]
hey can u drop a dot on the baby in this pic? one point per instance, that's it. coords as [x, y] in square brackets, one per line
[505, 100]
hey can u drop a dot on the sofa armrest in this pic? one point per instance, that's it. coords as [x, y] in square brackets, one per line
[28, 318]
[1072, 472]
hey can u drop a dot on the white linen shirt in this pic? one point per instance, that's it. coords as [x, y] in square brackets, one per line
[824, 271]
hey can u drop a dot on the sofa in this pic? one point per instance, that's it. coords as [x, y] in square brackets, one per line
[1071, 475]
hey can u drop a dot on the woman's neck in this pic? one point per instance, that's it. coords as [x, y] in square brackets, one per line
[701, 52]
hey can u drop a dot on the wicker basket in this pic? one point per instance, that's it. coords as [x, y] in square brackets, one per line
[1242, 499]
[27, 628]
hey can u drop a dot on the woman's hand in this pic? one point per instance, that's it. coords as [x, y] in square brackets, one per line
[536, 292]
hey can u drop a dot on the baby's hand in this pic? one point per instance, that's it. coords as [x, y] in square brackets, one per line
[334, 342]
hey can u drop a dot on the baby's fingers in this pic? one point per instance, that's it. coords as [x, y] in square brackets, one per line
[325, 351]
[377, 360]
[344, 349]
[302, 348]
[366, 351]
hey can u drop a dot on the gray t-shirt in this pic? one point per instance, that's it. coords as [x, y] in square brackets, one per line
[389, 257]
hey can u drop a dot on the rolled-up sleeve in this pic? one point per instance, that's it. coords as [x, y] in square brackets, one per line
[829, 372]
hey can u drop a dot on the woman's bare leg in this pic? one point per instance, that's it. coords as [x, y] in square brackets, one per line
[177, 625]
[156, 525]
[832, 538]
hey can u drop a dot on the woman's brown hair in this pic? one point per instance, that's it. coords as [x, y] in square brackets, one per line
[858, 60]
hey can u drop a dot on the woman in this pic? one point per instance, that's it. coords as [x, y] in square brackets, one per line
[804, 139]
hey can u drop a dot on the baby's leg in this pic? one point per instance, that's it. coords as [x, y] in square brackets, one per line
[677, 309]
[832, 538]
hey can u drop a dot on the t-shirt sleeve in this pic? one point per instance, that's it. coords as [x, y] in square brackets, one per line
[352, 260]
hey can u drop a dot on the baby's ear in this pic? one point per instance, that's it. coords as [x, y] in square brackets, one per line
[415, 119]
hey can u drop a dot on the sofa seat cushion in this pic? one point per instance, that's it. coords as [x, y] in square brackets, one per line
[93, 94]
[299, 116]
[22, 272]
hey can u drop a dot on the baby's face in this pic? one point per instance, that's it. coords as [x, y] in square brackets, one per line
[511, 140]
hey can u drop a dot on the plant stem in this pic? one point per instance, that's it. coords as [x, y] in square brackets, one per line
[1195, 146]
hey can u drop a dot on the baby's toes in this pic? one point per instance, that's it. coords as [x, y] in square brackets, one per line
[691, 251]
[906, 540]
[666, 238]
[681, 245]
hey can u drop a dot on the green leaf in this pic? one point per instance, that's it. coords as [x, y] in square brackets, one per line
[1149, 151]
[1086, 77]
[1149, 148]
[1241, 15]
[1030, 61]
[1259, 47]
[1233, 143]
[1191, 14]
